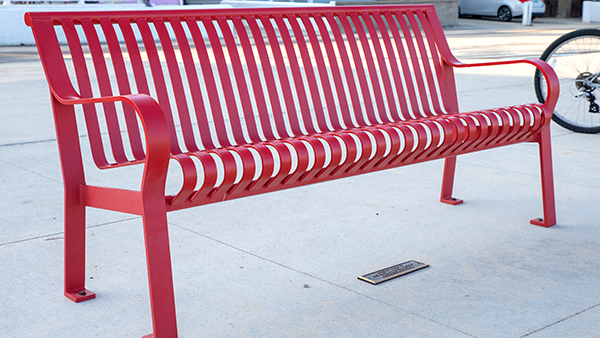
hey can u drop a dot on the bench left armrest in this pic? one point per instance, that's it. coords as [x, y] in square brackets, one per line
[154, 123]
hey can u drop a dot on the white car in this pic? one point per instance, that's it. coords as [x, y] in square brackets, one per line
[504, 10]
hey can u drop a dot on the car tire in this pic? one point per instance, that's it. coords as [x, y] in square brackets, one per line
[504, 14]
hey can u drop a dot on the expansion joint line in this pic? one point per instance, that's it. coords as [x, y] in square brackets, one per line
[560, 321]
[53, 236]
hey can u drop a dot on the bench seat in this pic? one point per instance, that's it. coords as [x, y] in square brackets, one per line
[325, 156]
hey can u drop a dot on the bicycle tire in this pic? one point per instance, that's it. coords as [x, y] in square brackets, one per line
[572, 55]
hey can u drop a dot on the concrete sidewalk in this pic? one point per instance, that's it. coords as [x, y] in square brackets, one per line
[285, 264]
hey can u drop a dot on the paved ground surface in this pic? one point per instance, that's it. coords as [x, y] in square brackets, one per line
[285, 264]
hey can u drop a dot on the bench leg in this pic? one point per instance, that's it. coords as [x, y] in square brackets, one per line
[73, 178]
[75, 252]
[448, 182]
[547, 181]
[158, 260]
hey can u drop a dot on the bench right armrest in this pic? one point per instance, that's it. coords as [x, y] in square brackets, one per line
[552, 83]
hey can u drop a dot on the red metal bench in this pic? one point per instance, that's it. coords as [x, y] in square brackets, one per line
[250, 101]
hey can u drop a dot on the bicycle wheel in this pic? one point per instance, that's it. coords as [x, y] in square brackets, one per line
[575, 57]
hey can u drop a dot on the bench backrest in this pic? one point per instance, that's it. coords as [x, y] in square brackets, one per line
[247, 75]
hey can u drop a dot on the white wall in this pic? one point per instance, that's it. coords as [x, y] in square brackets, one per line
[590, 11]
[14, 32]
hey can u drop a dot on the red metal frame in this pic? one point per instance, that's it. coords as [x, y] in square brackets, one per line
[315, 93]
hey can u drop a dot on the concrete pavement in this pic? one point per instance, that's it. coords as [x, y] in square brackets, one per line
[285, 264]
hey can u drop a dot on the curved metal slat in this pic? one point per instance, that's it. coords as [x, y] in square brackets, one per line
[373, 112]
[282, 73]
[425, 57]
[358, 67]
[257, 92]
[85, 90]
[270, 84]
[158, 79]
[327, 41]
[322, 109]
[312, 89]
[104, 85]
[174, 76]
[424, 110]
[437, 63]
[202, 115]
[346, 70]
[381, 65]
[408, 86]
[120, 71]
[227, 78]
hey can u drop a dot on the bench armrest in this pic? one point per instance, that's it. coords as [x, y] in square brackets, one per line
[155, 126]
[552, 83]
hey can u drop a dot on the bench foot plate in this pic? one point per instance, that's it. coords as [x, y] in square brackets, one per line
[540, 222]
[451, 201]
[79, 296]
